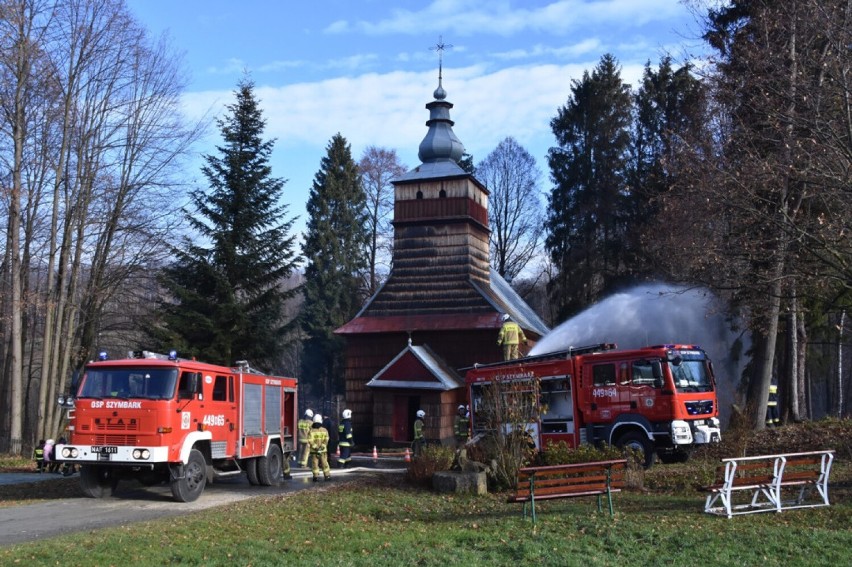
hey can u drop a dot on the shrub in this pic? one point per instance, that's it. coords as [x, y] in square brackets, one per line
[433, 458]
[561, 454]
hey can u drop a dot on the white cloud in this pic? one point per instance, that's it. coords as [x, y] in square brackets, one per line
[388, 109]
[465, 17]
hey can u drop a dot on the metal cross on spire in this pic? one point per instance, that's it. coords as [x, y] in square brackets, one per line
[440, 47]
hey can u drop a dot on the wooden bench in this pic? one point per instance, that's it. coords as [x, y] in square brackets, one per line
[599, 478]
[764, 483]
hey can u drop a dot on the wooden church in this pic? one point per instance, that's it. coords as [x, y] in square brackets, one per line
[439, 310]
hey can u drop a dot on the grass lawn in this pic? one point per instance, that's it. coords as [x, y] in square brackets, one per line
[385, 521]
[388, 522]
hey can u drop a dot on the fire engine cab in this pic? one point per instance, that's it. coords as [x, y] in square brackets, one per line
[660, 400]
[158, 418]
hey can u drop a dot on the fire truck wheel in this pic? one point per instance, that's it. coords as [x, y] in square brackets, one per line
[251, 471]
[640, 445]
[269, 467]
[97, 481]
[190, 487]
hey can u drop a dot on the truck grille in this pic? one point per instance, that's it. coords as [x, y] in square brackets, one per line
[109, 425]
[115, 440]
[704, 407]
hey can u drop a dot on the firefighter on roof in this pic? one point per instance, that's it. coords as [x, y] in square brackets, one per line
[318, 441]
[772, 418]
[511, 335]
[345, 439]
[419, 438]
[304, 427]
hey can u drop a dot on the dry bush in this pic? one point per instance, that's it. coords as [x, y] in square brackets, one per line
[433, 458]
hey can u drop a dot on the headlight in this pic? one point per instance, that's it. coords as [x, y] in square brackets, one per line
[69, 452]
[142, 454]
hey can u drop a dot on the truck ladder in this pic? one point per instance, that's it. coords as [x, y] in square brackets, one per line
[572, 351]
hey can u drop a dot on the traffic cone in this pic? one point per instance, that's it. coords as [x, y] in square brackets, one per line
[407, 455]
[375, 452]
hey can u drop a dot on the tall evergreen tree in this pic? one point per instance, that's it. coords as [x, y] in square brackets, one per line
[334, 249]
[588, 206]
[227, 295]
[671, 115]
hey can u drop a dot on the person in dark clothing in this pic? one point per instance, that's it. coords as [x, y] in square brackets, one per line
[328, 423]
[38, 456]
[345, 440]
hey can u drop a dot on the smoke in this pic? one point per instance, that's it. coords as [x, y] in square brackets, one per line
[660, 314]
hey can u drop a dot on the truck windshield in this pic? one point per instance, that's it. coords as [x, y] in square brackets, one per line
[690, 373]
[147, 383]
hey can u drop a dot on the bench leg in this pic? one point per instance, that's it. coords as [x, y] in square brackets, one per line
[609, 500]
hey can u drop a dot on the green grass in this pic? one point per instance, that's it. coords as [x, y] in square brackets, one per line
[387, 522]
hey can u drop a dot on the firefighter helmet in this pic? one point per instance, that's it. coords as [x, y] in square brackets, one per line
[421, 413]
[309, 413]
[505, 317]
[347, 413]
[317, 418]
[461, 409]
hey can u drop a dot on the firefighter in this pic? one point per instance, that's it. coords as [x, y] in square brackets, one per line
[304, 427]
[345, 439]
[419, 438]
[461, 427]
[510, 336]
[318, 442]
[772, 418]
[38, 455]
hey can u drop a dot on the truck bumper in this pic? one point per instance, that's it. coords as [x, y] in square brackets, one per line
[118, 455]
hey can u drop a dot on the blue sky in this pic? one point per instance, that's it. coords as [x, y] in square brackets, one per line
[365, 68]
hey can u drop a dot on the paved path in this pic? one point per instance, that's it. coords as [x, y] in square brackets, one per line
[23, 478]
[133, 503]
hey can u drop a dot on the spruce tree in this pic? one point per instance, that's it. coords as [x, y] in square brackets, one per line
[226, 286]
[588, 207]
[671, 118]
[335, 253]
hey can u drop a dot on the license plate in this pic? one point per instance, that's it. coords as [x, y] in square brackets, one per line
[104, 449]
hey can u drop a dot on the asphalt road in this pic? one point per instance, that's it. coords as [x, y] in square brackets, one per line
[134, 503]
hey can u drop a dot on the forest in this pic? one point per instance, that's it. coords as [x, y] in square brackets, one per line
[730, 173]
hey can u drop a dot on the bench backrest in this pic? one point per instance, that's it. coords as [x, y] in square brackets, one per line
[580, 477]
[765, 468]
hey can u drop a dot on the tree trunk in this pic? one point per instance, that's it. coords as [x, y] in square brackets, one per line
[801, 409]
[758, 387]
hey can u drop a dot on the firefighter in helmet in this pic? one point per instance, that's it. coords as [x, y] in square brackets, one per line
[318, 442]
[419, 437]
[461, 426]
[304, 427]
[511, 335]
[345, 439]
[772, 417]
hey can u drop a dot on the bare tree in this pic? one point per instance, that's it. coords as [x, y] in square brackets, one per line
[101, 151]
[514, 206]
[377, 167]
[765, 215]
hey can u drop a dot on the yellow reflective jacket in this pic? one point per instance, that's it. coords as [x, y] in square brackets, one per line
[511, 334]
[318, 440]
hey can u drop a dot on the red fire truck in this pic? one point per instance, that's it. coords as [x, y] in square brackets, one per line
[658, 399]
[158, 418]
